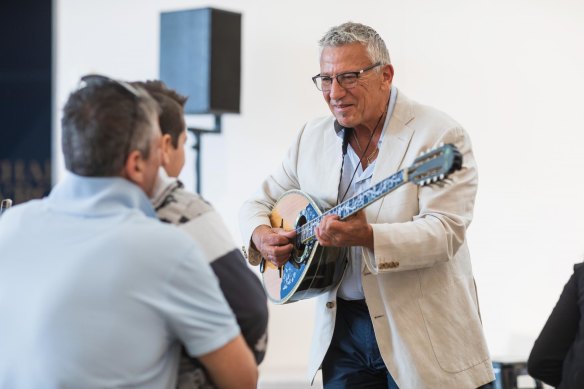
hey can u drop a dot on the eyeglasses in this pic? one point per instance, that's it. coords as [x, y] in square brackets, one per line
[98, 79]
[136, 94]
[347, 80]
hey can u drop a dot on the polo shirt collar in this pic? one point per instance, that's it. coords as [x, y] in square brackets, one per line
[98, 196]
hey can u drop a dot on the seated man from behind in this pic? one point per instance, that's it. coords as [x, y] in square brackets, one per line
[95, 292]
[173, 204]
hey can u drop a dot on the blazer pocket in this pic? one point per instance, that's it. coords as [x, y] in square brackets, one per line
[454, 328]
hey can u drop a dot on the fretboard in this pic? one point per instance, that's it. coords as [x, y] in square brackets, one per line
[353, 205]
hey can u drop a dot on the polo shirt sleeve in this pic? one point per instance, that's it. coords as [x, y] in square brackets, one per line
[198, 313]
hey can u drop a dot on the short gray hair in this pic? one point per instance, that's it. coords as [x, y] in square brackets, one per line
[350, 32]
[102, 124]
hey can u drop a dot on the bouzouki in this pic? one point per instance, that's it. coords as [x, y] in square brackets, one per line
[313, 269]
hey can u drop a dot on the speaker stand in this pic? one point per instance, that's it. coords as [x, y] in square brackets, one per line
[198, 132]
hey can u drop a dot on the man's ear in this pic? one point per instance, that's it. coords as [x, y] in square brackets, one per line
[134, 168]
[166, 149]
[387, 72]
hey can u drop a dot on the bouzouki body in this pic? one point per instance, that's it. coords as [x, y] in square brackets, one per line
[312, 269]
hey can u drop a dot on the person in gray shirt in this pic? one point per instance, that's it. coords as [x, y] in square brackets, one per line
[95, 292]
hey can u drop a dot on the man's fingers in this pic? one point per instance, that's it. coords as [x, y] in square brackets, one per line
[324, 239]
[282, 251]
[276, 246]
[278, 255]
[287, 234]
[276, 240]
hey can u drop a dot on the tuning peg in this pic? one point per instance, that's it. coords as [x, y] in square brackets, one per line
[434, 179]
[442, 176]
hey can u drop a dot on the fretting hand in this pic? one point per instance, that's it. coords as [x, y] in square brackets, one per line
[353, 231]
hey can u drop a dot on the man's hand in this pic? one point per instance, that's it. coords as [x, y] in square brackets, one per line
[225, 373]
[273, 243]
[353, 231]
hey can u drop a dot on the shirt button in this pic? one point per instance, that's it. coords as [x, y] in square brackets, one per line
[330, 304]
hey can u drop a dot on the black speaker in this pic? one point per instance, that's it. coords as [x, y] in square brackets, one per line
[200, 56]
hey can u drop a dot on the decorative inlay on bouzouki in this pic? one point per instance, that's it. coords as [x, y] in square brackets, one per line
[313, 269]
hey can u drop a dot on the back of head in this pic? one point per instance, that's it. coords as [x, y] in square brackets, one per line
[171, 103]
[102, 123]
[349, 33]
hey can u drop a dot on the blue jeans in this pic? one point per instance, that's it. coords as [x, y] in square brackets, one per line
[353, 359]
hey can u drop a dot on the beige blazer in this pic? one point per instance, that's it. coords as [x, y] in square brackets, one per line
[418, 280]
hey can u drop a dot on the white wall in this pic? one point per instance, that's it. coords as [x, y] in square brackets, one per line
[511, 71]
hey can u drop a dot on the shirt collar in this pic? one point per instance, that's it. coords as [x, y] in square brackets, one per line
[98, 196]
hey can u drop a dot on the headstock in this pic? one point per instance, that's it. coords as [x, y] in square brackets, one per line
[435, 165]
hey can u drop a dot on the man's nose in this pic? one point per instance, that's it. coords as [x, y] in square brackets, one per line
[337, 90]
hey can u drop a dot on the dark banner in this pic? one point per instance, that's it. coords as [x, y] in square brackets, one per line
[25, 99]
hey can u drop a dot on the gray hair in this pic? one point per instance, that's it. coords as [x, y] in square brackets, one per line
[102, 124]
[350, 32]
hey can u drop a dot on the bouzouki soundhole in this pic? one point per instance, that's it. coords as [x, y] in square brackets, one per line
[299, 253]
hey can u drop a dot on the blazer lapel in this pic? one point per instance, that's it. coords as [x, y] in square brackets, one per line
[393, 147]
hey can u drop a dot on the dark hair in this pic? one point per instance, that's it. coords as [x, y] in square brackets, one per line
[172, 104]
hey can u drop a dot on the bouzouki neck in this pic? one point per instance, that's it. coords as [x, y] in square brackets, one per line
[355, 203]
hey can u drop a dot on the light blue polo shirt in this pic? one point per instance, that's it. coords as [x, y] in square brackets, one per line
[95, 292]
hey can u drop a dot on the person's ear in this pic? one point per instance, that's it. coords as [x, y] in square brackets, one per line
[387, 72]
[134, 168]
[166, 149]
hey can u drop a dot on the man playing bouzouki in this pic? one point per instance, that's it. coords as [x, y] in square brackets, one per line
[405, 313]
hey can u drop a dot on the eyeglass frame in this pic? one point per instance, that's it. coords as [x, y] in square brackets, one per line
[135, 92]
[357, 74]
